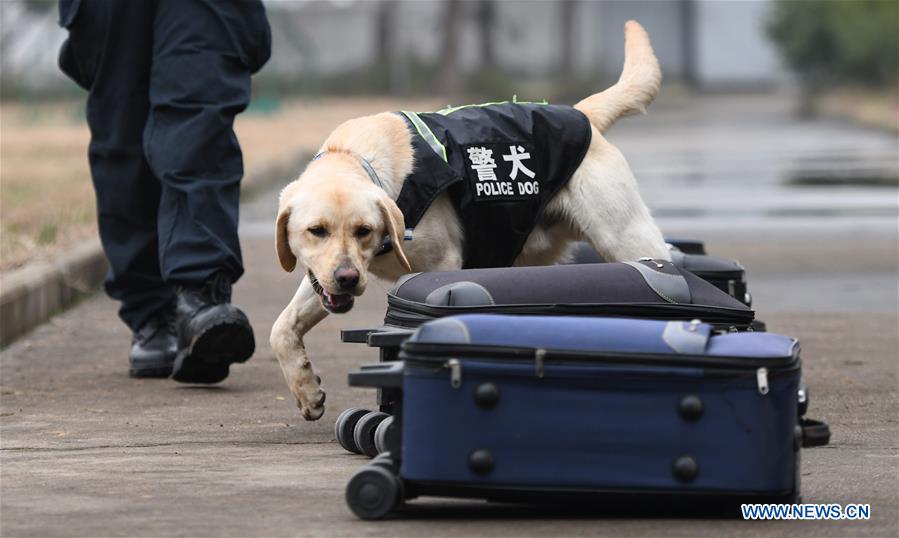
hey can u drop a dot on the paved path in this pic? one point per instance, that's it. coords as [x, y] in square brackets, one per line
[86, 451]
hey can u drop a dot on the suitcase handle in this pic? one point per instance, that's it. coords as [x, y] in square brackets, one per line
[355, 336]
[814, 432]
[381, 375]
[687, 246]
[390, 338]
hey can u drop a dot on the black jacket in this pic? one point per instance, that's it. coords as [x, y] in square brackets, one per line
[502, 164]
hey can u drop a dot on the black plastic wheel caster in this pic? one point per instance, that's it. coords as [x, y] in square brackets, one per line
[373, 492]
[384, 460]
[364, 433]
[384, 434]
[345, 427]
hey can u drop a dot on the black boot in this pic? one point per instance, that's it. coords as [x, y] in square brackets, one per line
[154, 346]
[212, 333]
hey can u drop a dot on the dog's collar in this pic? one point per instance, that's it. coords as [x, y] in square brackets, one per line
[369, 169]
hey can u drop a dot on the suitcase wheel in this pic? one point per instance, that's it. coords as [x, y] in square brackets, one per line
[373, 492]
[384, 460]
[364, 432]
[345, 426]
[383, 434]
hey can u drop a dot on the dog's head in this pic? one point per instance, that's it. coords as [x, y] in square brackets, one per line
[333, 220]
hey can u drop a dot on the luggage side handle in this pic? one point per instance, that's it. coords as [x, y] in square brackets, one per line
[687, 338]
[383, 374]
[814, 432]
[687, 246]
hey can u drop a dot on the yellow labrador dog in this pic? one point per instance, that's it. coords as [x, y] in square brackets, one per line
[333, 218]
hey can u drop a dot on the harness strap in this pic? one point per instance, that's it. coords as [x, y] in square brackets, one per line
[425, 132]
[372, 175]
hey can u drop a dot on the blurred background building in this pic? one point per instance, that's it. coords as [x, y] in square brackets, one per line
[553, 49]
[558, 49]
[478, 46]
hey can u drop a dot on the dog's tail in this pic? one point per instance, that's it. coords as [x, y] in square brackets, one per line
[635, 89]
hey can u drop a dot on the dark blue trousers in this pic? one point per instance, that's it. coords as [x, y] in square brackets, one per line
[165, 79]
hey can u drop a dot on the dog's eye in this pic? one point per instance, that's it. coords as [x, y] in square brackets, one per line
[318, 231]
[362, 231]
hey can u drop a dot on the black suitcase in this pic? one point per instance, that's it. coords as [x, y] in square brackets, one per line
[646, 289]
[727, 275]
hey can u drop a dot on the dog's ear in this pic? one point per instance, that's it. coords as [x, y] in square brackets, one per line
[285, 255]
[396, 226]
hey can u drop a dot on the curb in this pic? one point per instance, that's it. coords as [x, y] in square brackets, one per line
[36, 292]
[283, 169]
[32, 294]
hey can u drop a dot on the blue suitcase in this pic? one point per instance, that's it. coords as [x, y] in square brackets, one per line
[525, 408]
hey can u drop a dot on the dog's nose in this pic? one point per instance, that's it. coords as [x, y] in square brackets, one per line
[347, 278]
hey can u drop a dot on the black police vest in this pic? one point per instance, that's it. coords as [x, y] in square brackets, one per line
[501, 164]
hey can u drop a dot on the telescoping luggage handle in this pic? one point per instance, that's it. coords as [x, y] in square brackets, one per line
[376, 337]
[380, 375]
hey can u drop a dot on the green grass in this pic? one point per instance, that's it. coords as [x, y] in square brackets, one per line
[48, 233]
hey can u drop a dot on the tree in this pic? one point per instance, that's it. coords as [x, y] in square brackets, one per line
[449, 77]
[486, 29]
[567, 12]
[834, 42]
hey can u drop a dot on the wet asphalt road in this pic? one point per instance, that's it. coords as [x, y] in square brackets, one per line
[88, 452]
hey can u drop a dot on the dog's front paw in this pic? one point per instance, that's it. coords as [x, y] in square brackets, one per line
[311, 400]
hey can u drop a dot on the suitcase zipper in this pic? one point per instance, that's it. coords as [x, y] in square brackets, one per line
[539, 356]
[455, 368]
[762, 375]
[761, 378]
[405, 313]
[417, 351]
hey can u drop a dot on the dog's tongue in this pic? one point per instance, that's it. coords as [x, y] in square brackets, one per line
[337, 300]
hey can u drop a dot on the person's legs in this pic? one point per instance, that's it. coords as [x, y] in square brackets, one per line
[203, 55]
[110, 46]
[108, 52]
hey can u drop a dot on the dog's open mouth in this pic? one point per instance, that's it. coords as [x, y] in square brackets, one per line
[336, 303]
